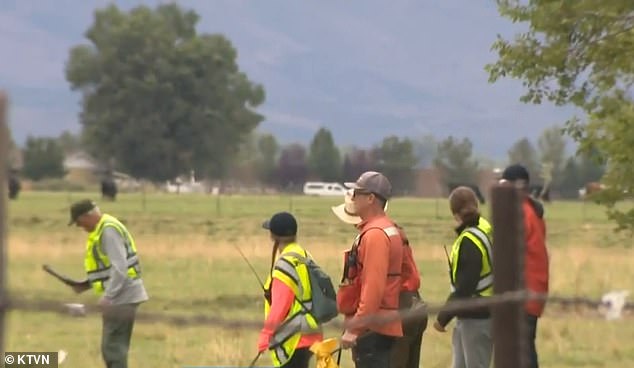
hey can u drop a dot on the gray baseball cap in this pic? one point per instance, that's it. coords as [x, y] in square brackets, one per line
[373, 182]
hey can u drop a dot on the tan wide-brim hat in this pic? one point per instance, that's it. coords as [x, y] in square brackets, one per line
[345, 211]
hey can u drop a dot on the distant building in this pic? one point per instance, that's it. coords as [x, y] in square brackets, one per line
[81, 168]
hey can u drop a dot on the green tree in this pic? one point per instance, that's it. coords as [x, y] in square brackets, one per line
[268, 149]
[160, 98]
[552, 147]
[324, 160]
[590, 167]
[523, 152]
[396, 159]
[43, 158]
[13, 150]
[425, 149]
[580, 53]
[292, 169]
[69, 142]
[455, 160]
[570, 181]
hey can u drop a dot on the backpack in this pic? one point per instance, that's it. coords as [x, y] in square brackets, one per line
[324, 297]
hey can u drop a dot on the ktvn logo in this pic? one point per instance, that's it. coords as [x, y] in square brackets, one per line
[31, 359]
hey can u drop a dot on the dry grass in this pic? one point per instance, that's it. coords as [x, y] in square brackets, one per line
[191, 267]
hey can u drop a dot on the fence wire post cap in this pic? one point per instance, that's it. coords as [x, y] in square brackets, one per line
[612, 304]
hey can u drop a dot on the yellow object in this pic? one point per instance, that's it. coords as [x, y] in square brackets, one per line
[323, 351]
[97, 264]
[481, 236]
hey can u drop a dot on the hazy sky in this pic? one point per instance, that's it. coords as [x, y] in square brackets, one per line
[364, 69]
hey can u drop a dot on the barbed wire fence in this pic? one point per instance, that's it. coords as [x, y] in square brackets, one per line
[506, 304]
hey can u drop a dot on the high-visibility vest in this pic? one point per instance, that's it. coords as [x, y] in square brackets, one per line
[97, 264]
[481, 236]
[298, 321]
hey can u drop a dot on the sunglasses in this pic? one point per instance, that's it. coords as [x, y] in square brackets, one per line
[360, 192]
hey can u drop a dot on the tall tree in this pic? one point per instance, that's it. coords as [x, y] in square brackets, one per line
[155, 91]
[397, 160]
[14, 152]
[552, 149]
[324, 160]
[580, 53]
[293, 167]
[570, 181]
[590, 167]
[43, 158]
[268, 149]
[356, 162]
[425, 149]
[455, 160]
[243, 164]
[523, 152]
[69, 142]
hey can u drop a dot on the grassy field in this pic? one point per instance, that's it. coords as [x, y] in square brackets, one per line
[190, 267]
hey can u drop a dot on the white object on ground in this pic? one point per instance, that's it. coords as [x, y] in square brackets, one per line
[61, 356]
[76, 309]
[612, 304]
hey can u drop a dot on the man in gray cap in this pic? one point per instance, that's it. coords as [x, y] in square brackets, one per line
[406, 350]
[371, 282]
[114, 274]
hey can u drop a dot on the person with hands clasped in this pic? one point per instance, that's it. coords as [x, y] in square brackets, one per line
[471, 276]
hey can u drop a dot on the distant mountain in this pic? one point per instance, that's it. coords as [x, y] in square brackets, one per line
[363, 69]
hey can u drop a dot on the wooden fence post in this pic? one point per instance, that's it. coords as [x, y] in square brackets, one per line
[508, 270]
[4, 182]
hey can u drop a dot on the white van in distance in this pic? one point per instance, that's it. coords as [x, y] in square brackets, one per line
[318, 188]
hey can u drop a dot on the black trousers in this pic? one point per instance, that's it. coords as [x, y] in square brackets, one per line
[373, 351]
[300, 359]
[531, 335]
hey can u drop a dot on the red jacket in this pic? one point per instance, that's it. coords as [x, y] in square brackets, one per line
[409, 272]
[536, 256]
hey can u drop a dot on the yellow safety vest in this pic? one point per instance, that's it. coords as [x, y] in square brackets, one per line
[481, 236]
[298, 321]
[97, 264]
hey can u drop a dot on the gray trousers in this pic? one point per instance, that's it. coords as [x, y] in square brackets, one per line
[118, 323]
[472, 343]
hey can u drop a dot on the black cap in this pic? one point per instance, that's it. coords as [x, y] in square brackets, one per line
[281, 224]
[79, 208]
[515, 172]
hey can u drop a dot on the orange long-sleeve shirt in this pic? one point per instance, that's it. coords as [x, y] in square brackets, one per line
[282, 298]
[381, 260]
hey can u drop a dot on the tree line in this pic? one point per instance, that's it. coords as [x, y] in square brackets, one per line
[263, 161]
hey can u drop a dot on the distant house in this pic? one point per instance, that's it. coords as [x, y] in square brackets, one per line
[16, 159]
[81, 167]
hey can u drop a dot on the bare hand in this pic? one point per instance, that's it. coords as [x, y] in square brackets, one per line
[438, 327]
[348, 339]
[104, 302]
[80, 288]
